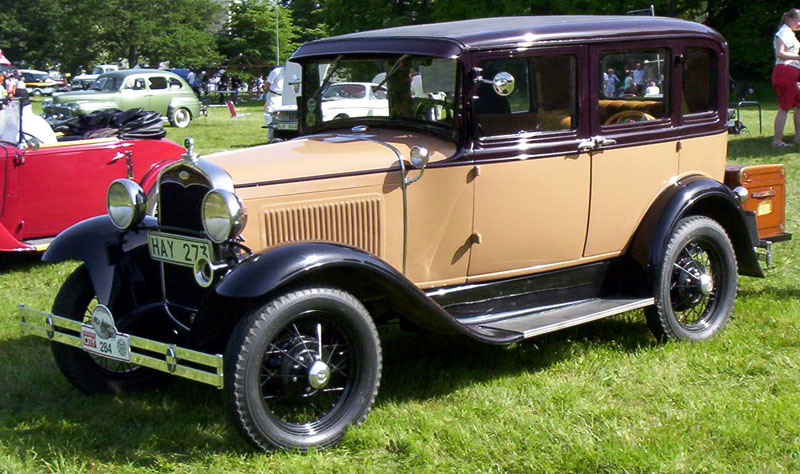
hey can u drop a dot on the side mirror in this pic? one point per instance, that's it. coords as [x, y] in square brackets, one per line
[503, 83]
[419, 160]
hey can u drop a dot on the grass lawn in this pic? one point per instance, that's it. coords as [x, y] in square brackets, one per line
[603, 397]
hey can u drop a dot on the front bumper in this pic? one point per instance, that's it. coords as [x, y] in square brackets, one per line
[174, 360]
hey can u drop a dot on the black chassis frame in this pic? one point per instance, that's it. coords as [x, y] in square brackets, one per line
[119, 264]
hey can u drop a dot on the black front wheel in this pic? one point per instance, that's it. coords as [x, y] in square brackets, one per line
[302, 368]
[696, 282]
[88, 372]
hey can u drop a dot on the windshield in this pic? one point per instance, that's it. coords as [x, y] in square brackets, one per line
[409, 88]
[107, 83]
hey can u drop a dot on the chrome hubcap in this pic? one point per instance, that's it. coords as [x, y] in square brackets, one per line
[706, 284]
[319, 374]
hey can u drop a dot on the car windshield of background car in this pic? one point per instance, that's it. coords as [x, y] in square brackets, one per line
[107, 83]
[419, 89]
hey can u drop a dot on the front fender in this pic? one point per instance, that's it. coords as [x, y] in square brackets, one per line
[8, 243]
[192, 104]
[365, 275]
[100, 246]
[696, 195]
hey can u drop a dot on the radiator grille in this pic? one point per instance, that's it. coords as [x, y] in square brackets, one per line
[356, 223]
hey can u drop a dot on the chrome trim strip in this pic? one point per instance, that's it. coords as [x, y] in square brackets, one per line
[50, 326]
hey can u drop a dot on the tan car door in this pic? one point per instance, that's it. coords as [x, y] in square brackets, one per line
[532, 183]
[635, 155]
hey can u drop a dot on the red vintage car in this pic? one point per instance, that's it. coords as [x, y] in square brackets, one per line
[47, 187]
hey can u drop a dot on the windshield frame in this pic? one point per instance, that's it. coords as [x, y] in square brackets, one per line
[451, 130]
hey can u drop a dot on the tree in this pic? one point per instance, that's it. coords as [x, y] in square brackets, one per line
[159, 30]
[249, 40]
[28, 32]
[307, 16]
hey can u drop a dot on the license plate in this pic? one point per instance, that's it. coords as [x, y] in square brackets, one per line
[286, 126]
[117, 347]
[178, 249]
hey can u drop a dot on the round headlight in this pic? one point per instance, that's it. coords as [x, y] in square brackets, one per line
[126, 203]
[224, 215]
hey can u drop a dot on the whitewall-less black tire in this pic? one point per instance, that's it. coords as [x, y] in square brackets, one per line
[696, 281]
[301, 369]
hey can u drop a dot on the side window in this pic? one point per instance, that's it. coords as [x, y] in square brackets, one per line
[700, 80]
[158, 82]
[175, 84]
[138, 84]
[634, 86]
[543, 99]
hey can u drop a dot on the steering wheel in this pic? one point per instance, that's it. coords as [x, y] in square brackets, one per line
[628, 116]
[433, 110]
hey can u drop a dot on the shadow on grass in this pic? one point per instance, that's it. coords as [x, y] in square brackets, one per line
[757, 150]
[42, 411]
[424, 366]
[22, 261]
[781, 293]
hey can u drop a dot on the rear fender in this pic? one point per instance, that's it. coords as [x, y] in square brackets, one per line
[696, 195]
[101, 247]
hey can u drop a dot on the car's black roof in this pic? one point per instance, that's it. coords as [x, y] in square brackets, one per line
[452, 38]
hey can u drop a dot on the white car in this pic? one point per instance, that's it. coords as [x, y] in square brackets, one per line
[83, 81]
[342, 100]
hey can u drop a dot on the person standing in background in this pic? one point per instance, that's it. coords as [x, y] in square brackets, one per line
[785, 75]
[274, 88]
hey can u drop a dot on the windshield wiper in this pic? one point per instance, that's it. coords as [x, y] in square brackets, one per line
[331, 71]
[395, 67]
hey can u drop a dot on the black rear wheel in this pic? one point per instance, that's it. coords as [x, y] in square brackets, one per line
[302, 369]
[696, 282]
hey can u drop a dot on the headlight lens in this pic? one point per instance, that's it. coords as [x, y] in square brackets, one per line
[224, 215]
[126, 203]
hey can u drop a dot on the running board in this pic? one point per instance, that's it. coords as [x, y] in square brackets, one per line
[531, 324]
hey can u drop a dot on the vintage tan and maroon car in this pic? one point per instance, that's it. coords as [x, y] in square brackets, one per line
[506, 192]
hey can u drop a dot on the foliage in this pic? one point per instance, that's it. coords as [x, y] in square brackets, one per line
[27, 30]
[308, 19]
[81, 33]
[249, 40]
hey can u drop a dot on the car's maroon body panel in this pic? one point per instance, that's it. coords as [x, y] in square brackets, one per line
[48, 189]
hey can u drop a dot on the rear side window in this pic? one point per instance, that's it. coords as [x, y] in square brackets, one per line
[634, 86]
[175, 84]
[543, 98]
[700, 80]
[158, 82]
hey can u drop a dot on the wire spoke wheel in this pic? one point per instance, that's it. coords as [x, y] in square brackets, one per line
[695, 284]
[302, 368]
[694, 279]
[92, 373]
[306, 373]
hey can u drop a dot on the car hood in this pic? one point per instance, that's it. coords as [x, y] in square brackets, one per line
[84, 96]
[326, 155]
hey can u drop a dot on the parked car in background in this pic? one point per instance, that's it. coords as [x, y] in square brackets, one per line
[84, 81]
[39, 82]
[50, 186]
[486, 189]
[344, 100]
[151, 89]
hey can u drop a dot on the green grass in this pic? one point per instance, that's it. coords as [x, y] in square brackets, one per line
[603, 397]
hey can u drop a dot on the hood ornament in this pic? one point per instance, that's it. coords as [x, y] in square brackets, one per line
[190, 156]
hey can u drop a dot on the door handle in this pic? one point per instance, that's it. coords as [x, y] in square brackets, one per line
[593, 143]
[117, 156]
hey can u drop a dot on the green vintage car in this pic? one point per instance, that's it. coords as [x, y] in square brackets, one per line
[151, 89]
